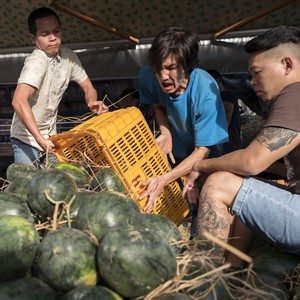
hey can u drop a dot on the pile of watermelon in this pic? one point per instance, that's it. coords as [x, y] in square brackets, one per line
[65, 234]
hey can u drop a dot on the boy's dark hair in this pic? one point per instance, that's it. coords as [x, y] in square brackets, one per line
[39, 13]
[273, 38]
[183, 45]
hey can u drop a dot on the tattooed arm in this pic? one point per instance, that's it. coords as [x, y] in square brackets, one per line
[271, 144]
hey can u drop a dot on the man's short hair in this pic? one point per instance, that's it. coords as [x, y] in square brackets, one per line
[183, 45]
[39, 13]
[273, 38]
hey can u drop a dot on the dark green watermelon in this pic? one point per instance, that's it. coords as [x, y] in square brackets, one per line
[20, 170]
[49, 183]
[201, 265]
[269, 283]
[66, 260]
[19, 242]
[79, 176]
[162, 225]
[19, 187]
[133, 262]
[91, 293]
[81, 198]
[295, 292]
[282, 264]
[106, 211]
[213, 290]
[173, 296]
[14, 205]
[28, 288]
[106, 179]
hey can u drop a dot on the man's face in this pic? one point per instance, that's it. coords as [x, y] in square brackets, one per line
[48, 35]
[267, 75]
[171, 78]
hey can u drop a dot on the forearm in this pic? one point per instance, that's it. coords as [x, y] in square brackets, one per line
[90, 95]
[91, 98]
[162, 119]
[235, 162]
[21, 106]
[271, 144]
[27, 118]
[187, 164]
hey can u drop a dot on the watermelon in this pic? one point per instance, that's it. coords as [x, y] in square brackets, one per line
[201, 265]
[133, 262]
[213, 290]
[173, 296]
[14, 205]
[19, 243]
[269, 283]
[295, 292]
[79, 176]
[281, 264]
[28, 288]
[66, 260]
[106, 211]
[48, 187]
[106, 179]
[163, 226]
[81, 197]
[91, 293]
[20, 170]
[18, 186]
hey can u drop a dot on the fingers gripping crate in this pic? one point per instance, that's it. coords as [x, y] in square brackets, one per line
[123, 141]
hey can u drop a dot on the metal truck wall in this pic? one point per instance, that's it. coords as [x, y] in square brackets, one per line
[115, 63]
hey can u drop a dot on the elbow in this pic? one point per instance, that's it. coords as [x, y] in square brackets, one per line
[15, 105]
[18, 106]
[252, 167]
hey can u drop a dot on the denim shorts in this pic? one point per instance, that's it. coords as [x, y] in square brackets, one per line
[271, 212]
[25, 153]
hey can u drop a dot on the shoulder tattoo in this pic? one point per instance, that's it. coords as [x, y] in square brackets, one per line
[275, 137]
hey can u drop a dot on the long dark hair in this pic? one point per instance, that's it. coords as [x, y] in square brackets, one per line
[183, 45]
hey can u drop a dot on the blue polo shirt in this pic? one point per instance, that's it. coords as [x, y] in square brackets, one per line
[197, 116]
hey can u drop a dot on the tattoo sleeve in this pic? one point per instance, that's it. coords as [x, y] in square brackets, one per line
[274, 138]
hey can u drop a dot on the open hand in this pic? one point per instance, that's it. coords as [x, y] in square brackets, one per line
[154, 187]
[47, 145]
[98, 107]
[191, 189]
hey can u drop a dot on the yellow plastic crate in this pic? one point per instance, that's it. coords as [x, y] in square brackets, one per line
[123, 141]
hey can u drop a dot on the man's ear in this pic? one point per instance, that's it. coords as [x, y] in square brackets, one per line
[32, 38]
[288, 64]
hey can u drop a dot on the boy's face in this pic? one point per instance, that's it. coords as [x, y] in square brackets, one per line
[48, 35]
[171, 78]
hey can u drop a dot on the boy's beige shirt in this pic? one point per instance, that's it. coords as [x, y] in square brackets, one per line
[51, 77]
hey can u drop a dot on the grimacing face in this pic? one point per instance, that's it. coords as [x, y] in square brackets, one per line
[48, 35]
[171, 78]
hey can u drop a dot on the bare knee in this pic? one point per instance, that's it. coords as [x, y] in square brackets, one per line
[222, 187]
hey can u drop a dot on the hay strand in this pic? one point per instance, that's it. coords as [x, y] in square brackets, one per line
[228, 247]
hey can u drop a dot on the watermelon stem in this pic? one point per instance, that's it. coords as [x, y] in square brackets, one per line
[55, 216]
[56, 219]
[67, 209]
[48, 197]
